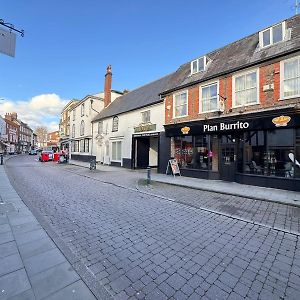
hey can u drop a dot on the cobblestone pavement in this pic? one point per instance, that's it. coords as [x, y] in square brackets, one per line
[141, 246]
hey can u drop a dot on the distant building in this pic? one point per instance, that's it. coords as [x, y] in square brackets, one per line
[64, 124]
[81, 118]
[12, 132]
[3, 136]
[53, 139]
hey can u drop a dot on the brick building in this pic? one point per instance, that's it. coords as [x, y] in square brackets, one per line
[12, 132]
[234, 113]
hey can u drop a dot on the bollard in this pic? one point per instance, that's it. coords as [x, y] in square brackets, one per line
[1, 159]
[148, 175]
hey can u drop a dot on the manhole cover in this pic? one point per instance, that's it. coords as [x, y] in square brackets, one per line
[6, 208]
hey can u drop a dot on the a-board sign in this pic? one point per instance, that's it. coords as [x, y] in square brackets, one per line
[173, 165]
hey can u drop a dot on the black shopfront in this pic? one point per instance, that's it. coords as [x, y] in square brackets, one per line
[260, 149]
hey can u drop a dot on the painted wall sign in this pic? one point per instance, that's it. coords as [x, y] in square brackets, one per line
[224, 127]
[281, 121]
[185, 130]
[143, 128]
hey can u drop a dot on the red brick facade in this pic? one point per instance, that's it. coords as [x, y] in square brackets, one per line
[269, 96]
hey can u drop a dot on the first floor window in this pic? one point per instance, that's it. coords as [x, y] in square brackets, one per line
[82, 128]
[209, 97]
[73, 130]
[115, 124]
[100, 127]
[86, 145]
[146, 116]
[291, 78]
[81, 145]
[245, 89]
[180, 104]
[116, 148]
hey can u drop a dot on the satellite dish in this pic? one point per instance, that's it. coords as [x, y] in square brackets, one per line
[292, 158]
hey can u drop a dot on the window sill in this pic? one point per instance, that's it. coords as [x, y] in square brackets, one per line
[178, 117]
[288, 98]
[244, 105]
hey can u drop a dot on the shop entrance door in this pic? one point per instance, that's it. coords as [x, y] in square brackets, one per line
[228, 158]
[142, 157]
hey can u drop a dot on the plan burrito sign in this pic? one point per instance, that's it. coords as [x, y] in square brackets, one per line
[225, 126]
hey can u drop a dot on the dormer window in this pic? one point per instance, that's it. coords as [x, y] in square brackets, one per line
[272, 35]
[198, 65]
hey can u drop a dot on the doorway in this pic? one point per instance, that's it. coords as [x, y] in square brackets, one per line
[145, 152]
[228, 157]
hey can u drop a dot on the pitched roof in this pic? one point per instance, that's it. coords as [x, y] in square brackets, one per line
[240, 54]
[138, 98]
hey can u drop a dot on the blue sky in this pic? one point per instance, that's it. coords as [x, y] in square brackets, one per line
[68, 44]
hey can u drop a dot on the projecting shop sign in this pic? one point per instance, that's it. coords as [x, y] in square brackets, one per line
[7, 42]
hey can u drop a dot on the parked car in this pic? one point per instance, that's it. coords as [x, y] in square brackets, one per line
[48, 152]
[32, 152]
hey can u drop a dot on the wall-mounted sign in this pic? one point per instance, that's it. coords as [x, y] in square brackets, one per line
[145, 127]
[185, 130]
[224, 127]
[146, 134]
[281, 121]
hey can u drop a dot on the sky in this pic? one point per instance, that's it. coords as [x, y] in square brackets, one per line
[69, 43]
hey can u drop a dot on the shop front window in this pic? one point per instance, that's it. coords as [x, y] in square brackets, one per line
[271, 153]
[193, 152]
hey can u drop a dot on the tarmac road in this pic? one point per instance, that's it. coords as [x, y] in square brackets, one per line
[140, 246]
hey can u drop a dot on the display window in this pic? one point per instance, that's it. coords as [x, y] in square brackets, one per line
[192, 152]
[271, 153]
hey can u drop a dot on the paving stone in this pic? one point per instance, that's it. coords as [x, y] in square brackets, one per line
[10, 263]
[166, 289]
[120, 284]
[75, 291]
[27, 295]
[43, 261]
[13, 284]
[52, 280]
[6, 237]
[215, 292]
[30, 236]
[8, 249]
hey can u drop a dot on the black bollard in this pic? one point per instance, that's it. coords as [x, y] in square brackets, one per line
[148, 175]
[1, 159]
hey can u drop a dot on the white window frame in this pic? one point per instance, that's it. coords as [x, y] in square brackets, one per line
[115, 124]
[112, 159]
[148, 114]
[205, 61]
[257, 86]
[82, 127]
[187, 104]
[74, 114]
[73, 130]
[82, 109]
[261, 40]
[100, 127]
[207, 84]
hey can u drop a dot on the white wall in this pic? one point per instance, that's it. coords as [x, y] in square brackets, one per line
[127, 122]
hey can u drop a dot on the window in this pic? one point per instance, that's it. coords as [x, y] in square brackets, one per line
[82, 128]
[198, 65]
[86, 145]
[116, 151]
[82, 109]
[73, 130]
[74, 114]
[180, 104]
[246, 89]
[115, 124]
[81, 145]
[209, 97]
[291, 78]
[193, 152]
[272, 35]
[146, 116]
[100, 127]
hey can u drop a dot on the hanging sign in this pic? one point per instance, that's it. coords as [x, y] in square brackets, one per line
[173, 165]
[7, 42]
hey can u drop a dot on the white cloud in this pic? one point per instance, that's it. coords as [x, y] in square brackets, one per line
[41, 110]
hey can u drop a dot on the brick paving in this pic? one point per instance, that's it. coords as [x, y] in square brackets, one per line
[140, 246]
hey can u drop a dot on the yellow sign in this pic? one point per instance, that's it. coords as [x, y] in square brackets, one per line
[281, 121]
[185, 130]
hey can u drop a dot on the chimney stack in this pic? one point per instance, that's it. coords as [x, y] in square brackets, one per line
[107, 86]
